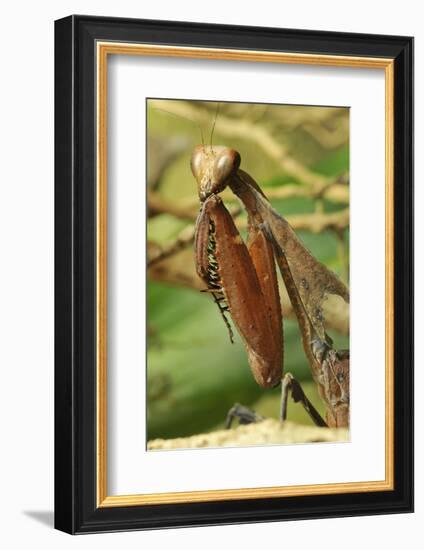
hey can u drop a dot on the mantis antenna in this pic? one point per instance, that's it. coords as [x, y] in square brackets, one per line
[214, 122]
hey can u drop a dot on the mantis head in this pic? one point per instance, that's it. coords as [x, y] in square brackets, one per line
[213, 168]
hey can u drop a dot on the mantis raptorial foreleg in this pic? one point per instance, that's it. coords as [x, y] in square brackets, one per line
[226, 267]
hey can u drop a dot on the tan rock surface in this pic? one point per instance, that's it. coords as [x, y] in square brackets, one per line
[267, 432]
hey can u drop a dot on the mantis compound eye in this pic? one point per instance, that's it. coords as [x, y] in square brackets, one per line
[197, 162]
[227, 163]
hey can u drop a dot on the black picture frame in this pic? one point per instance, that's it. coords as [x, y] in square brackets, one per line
[76, 509]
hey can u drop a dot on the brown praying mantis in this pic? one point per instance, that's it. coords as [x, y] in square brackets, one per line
[242, 280]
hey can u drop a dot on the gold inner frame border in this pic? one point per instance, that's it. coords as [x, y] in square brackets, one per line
[103, 50]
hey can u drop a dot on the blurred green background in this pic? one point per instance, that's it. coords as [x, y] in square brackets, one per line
[299, 155]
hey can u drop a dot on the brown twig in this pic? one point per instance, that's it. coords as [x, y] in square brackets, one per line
[158, 205]
[315, 223]
[329, 139]
[157, 253]
[334, 192]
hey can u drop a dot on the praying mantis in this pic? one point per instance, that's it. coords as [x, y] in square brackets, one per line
[242, 279]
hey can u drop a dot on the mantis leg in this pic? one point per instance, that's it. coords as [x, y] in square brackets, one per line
[291, 385]
[244, 414]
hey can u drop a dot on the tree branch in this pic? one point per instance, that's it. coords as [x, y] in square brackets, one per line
[245, 129]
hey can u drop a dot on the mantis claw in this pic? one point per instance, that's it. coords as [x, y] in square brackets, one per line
[244, 414]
